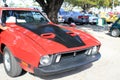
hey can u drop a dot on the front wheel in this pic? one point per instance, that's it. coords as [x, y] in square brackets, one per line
[11, 66]
[115, 32]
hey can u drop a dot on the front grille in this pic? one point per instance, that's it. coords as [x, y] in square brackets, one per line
[72, 54]
[69, 56]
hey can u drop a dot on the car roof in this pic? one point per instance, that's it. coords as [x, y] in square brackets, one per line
[10, 8]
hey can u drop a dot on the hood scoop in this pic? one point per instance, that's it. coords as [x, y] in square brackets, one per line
[71, 34]
[48, 35]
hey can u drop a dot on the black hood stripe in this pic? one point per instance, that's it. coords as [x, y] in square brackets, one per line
[61, 36]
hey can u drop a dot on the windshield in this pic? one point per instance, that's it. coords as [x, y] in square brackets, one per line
[34, 17]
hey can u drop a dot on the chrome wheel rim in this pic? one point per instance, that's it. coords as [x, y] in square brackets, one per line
[114, 33]
[7, 61]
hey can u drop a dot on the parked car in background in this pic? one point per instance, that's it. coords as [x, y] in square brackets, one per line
[60, 18]
[92, 18]
[115, 28]
[76, 17]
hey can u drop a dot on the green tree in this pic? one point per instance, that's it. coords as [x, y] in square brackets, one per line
[51, 8]
[103, 3]
[85, 4]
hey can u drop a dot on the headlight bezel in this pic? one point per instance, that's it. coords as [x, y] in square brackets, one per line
[46, 60]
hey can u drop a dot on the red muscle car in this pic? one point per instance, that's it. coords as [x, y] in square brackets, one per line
[36, 45]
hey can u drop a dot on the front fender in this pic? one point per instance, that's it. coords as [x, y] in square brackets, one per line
[22, 47]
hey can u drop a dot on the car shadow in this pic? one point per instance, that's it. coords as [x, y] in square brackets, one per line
[23, 73]
[111, 35]
[95, 28]
[71, 72]
[108, 34]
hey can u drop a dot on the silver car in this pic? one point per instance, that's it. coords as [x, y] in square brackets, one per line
[76, 17]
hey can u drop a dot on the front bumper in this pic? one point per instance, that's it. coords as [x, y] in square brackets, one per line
[66, 65]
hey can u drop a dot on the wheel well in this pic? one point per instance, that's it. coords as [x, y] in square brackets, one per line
[115, 29]
[70, 18]
[2, 47]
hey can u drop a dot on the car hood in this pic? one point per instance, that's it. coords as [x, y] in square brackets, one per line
[53, 38]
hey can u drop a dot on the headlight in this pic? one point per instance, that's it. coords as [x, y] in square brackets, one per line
[92, 51]
[46, 60]
[88, 52]
[58, 58]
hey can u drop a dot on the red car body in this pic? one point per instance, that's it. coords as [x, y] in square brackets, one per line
[28, 47]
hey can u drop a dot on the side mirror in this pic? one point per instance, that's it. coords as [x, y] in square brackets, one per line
[11, 19]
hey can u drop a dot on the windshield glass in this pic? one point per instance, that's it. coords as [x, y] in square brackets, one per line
[34, 17]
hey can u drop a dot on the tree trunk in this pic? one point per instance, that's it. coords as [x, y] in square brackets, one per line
[86, 7]
[51, 8]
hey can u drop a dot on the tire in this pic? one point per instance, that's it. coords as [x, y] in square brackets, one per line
[0, 55]
[115, 32]
[70, 20]
[1, 58]
[11, 66]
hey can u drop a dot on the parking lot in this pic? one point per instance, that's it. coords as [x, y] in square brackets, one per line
[107, 68]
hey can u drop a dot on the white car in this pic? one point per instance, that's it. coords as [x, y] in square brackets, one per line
[76, 17]
[92, 19]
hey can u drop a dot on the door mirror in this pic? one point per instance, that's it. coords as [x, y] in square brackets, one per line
[11, 19]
